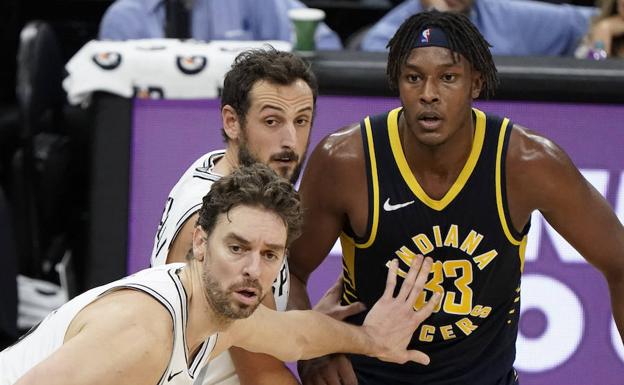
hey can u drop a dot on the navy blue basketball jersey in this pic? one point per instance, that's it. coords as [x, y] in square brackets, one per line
[478, 258]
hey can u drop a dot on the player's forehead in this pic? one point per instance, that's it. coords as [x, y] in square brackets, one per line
[432, 47]
[432, 57]
[294, 96]
[252, 224]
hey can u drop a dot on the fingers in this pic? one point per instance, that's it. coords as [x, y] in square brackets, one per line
[329, 377]
[345, 370]
[391, 280]
[335, 292]
[412, 274]
[337, 286]
[420, 280]
[426, 310]
[349, 310]
[328, 370]
[331, 299]
[418, 357]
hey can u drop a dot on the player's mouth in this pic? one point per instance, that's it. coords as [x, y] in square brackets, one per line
[430, 120]
[248, 295]
[285, 157]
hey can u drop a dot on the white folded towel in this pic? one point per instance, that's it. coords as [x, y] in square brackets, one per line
[154, 68]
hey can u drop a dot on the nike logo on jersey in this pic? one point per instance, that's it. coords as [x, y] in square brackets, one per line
[171, 375]
[390, 207]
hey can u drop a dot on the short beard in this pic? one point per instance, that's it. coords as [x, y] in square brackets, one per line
[219, 300]
[246, 158]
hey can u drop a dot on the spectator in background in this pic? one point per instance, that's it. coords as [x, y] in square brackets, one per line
[210, 20]
[606, 34]
[512, 27]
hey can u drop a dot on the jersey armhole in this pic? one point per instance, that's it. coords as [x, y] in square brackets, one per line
[511, 233]
[348, 234]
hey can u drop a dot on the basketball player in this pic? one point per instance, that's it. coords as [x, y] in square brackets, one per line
[267, 107]
[440, 178]
[161, 325]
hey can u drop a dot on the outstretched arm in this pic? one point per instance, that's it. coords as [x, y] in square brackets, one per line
[542, 177]
[385, 333]
[260, 368]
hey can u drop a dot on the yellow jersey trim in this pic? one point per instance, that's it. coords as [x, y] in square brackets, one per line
[401, 161]
[522, 251]
[375, 182]
[499, 181]
[348, 259]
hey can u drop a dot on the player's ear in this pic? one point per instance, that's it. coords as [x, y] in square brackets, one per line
[231, 122]
[477, 83]
[199, 243]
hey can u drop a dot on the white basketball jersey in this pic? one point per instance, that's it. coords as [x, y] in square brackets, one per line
[184, 200]
[162, 283]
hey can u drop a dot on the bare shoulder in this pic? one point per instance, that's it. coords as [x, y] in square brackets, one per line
[128, 311]
[337, 158]
[528, 146]
[532, 153]
[123, 338]
[336, 164]
[340, 147]
[537, 168]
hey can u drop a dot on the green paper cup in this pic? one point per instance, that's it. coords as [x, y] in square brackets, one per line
[305, 21]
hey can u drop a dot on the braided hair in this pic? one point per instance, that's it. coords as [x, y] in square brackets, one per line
[463, 37]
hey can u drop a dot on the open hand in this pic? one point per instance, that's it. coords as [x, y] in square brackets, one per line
[392, 321]
[330, 305]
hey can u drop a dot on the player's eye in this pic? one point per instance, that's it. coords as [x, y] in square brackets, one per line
[302, 121]
[413, 78]
[271, 122]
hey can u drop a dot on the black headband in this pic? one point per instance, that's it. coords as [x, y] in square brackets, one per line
[432, 37]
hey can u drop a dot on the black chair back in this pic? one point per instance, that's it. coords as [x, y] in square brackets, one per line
[39, 76]
[37, 182]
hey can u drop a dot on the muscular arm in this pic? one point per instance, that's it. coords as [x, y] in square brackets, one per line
[542, 177]
[259, 368]
[123, 338]
[333, 191]
[385, 333]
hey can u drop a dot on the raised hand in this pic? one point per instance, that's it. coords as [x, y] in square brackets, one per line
[392, 320]
[330, 305]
